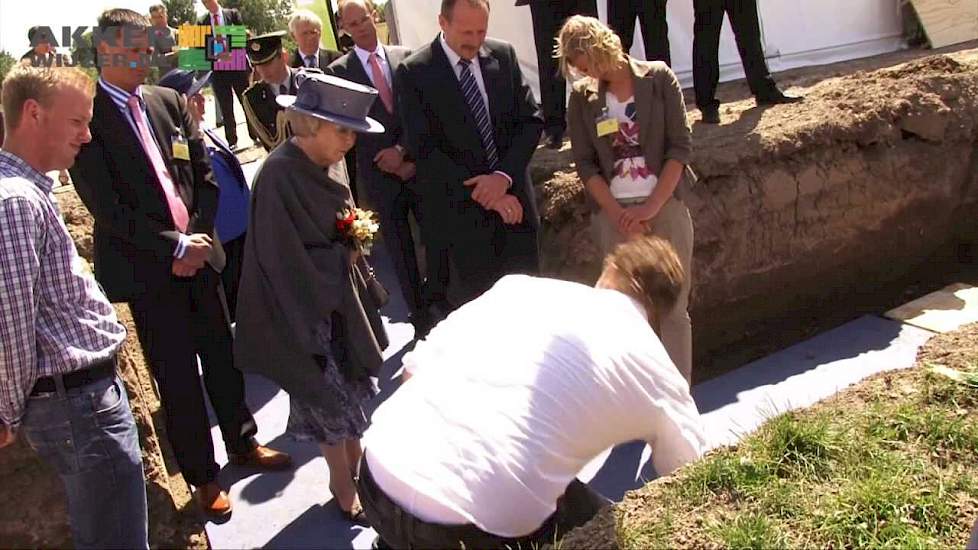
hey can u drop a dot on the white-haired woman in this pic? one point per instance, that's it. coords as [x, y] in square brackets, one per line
[305, 317]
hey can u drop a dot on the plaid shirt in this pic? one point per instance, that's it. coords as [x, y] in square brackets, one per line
[54, 319]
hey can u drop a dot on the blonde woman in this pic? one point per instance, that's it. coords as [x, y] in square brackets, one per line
[631, 143]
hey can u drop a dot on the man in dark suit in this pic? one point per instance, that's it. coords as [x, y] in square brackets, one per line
[708, 20]
[147, 181]
[548, 16]
[472, 124]
[226, 82]
[652, 16]
[307, 30]
[275, 78]
[384, 171]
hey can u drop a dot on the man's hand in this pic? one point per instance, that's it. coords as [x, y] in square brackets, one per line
[181, 268]
[389, 160]
[199, 247]
[407, 170]
[489, 188]
[7, 436]
[509, 207]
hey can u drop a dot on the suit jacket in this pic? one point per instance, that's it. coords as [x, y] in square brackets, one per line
[230, 16]
[368, 145]
[325, 58]
[663, 130]
[262, 112]
[297, 274]
[441, 133]
[135, 236]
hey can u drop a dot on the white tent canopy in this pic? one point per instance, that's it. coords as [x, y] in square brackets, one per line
[794, 34]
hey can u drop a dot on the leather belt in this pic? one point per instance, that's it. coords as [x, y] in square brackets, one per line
[76, 379]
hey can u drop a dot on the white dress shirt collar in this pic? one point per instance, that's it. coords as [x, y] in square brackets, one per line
[286, 82]
[304, 56]
[476, 68]
[453, 57]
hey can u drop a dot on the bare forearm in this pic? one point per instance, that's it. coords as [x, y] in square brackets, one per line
[666, 186]
[598, 187]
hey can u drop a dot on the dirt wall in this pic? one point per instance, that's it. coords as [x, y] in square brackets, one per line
[798, 204]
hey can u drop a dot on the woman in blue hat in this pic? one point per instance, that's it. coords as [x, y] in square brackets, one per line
[231, 223]
[306, 319]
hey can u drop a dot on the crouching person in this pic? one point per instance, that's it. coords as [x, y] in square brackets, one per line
[481, 445]
[58, 333]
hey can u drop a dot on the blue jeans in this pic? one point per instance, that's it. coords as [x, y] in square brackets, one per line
[89, 436]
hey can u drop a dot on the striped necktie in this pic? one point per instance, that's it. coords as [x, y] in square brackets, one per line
[478, 107]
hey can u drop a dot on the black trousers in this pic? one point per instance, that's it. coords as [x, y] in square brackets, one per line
[231, 276]
[706, 43]
[395, 201]
[548, 17]
[225, 83]
[397, 528]
[655, 30]
[176, 323]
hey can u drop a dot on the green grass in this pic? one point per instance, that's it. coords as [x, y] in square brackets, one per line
[893, 466]
[750, 531]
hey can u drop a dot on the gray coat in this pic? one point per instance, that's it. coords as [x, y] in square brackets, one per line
[296, 275]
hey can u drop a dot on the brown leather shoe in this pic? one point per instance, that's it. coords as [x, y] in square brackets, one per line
[264, 458]
[213, 501]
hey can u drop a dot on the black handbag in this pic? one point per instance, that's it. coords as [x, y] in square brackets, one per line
[375, 289]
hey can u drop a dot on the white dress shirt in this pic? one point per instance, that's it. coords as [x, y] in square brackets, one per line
[496, 422]
[385, 66]
[476, 69]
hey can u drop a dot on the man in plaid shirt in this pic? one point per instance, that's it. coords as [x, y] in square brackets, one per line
[59, 335]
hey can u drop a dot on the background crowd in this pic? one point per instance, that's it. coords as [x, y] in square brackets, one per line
[447, 132]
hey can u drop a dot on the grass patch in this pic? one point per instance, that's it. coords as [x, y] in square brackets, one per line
[889, 463]
[750, 531]
[649, 535]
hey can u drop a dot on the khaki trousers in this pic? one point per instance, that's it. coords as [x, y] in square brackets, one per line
[674, 224]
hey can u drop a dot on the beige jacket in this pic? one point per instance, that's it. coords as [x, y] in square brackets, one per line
[663, 130]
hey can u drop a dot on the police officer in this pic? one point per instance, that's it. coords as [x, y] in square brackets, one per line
[270, 60]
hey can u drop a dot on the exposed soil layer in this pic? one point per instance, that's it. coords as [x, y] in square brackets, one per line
[799, 206]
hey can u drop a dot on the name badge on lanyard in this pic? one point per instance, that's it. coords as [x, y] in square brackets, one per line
[181, 149]
[606, 124]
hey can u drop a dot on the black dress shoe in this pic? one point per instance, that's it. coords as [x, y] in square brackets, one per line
[423, 323]
[710, 115]
[777, 97]
[555, 140]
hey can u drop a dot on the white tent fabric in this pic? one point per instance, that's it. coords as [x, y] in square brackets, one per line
[794, 34]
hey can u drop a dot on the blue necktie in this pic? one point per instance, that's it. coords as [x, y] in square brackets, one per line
[478, 107]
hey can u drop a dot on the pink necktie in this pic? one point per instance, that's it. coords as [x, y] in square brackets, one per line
[177, 209]
[380, 82]
[215, 22]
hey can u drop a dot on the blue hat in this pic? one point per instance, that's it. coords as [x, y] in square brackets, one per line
[335, 100]
[185, 82]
